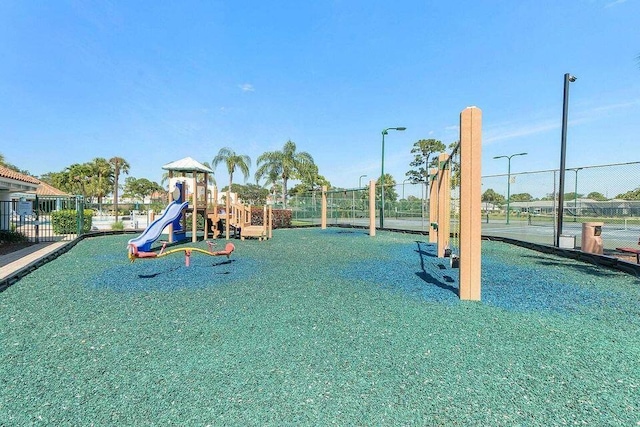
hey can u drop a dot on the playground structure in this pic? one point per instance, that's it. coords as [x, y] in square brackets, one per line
[189, 194]
[184, 175]
[455, 205]
[135, 253]
[236, 216]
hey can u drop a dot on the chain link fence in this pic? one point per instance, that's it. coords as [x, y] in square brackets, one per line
[524, 205]
[521, 206]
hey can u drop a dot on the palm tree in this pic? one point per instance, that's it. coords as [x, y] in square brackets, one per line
[165, 180]
[77, 177]
[233, 161]
[103, 178]
[211, 179]
[287, 164]
[119, 165]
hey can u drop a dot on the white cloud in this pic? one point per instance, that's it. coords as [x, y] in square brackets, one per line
[614, 3]
[511, 130]
[246, 87]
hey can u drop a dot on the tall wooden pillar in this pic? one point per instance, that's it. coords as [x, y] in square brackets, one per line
[470, 203]
[194, 211]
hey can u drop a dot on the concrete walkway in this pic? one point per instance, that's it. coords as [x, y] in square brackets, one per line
[15, 265]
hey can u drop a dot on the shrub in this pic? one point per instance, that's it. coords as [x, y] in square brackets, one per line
[281, 217]
[117, 226]
[65, 221]
[199, 223]
[7, 236]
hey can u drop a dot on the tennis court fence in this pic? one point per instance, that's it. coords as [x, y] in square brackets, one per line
[521, 205]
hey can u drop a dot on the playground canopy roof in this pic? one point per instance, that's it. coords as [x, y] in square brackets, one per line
[187, 165]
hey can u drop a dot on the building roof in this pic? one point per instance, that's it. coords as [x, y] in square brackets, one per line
[45, 189]
[13, 181]
[187, 165]
[10, 173]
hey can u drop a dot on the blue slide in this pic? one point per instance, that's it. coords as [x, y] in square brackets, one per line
[153, 231]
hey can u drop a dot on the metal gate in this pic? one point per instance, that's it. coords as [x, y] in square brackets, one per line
[45, 218]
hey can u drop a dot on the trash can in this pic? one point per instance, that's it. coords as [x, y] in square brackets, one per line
[592, 237]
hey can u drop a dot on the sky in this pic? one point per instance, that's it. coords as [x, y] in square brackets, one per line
[154, 82]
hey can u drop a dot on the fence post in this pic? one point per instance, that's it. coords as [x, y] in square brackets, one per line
[37, 220]
[323, 219]
[372, 208]
[80, 214]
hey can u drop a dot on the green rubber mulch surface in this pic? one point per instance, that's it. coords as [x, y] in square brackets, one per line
[318, 327]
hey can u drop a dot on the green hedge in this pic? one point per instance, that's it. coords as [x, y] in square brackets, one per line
[7, 236]
[281, 217]
[65, 221]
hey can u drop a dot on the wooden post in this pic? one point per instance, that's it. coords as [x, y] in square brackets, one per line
[171, 199]
[228, 207]
[323, 220]
[444, 203]
[372, 208]
[433, 206]
[205, 214]
[470, 203]
[194, 211]
[216, 216]
[270, 221]
[265, 227]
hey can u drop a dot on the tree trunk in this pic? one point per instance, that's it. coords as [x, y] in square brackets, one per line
[284, 193]
[115, 189]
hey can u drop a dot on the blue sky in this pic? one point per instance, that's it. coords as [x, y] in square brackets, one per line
[154, 82]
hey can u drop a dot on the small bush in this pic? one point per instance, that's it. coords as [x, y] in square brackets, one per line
[7, 236]
[65, 221]
[281, 217]
[117, 226]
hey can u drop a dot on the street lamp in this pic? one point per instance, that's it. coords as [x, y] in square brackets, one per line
[568, 78]
[360, 181]
[509, 177]
[384, 132]
[575, 194]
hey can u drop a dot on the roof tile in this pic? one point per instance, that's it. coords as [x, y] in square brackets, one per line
[11, 174]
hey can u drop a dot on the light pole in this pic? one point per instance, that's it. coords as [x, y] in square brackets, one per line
[384, 132]
[568, 78]
[509, 177]
[360, 181]
[575, 194]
